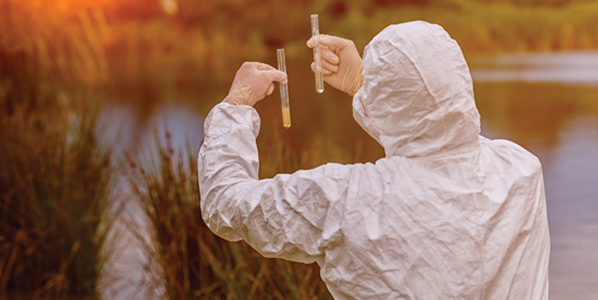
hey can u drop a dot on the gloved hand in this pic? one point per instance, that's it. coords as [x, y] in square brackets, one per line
[253, 82]
[341, 64]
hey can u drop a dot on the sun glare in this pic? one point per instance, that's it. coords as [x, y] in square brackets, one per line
[170, 6]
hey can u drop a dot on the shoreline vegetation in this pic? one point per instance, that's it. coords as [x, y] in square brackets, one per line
[192, 262]
[60, 59]
[136, 40]
[56, 176]
[224, 35]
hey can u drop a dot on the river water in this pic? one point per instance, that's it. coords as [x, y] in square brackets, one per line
[548, 103]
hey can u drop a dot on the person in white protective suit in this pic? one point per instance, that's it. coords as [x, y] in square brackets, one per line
[446, 214]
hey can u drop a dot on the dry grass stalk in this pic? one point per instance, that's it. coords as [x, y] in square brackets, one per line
[196, 264]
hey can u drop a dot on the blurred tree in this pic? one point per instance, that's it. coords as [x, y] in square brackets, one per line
[46, 44]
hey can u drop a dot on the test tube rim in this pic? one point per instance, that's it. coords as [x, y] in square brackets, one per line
[315, 31]
[281, 57]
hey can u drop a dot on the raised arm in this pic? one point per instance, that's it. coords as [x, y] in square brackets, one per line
[287, 216]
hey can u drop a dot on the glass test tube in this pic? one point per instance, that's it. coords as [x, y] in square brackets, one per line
[284, 90]
[315, 31]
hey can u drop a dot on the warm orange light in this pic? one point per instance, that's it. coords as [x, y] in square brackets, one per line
[170, 6]
[69, 7]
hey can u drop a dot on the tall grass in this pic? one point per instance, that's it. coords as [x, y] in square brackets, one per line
[193, 262]
[55, 180]
[55, 177]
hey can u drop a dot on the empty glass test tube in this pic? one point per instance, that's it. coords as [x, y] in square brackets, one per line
[315, 31]
[284, 90]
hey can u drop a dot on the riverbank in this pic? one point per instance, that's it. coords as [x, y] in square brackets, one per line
[60, 58]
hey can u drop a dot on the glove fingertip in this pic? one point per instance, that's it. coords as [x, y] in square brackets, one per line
[270, 90]
[279, 76]
[334, 59]
[284, 78]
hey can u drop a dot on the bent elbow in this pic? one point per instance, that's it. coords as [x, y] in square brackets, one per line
[218, 210]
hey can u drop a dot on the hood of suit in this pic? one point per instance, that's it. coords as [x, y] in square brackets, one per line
[417, 94]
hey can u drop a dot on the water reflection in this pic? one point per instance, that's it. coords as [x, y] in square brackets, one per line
[533, 114]
[572, 68]
[135, 132]
[548, 103]
[126, 128]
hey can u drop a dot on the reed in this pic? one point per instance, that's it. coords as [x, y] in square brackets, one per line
[55, 181]
[55, 176]
[193, 262]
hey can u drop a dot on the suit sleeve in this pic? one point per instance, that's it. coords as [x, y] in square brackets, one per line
[291, 216]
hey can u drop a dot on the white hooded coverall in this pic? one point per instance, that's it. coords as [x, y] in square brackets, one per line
[446, 214]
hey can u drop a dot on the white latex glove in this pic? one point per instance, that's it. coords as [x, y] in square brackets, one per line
[253, 82]
[341, 64]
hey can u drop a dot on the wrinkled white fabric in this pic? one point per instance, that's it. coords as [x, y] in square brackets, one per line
[447, 214]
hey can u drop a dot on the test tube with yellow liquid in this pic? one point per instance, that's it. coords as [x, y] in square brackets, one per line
[315, 31]
[284, 90]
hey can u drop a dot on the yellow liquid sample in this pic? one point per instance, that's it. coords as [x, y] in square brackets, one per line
[286, 117]
[319, 82]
